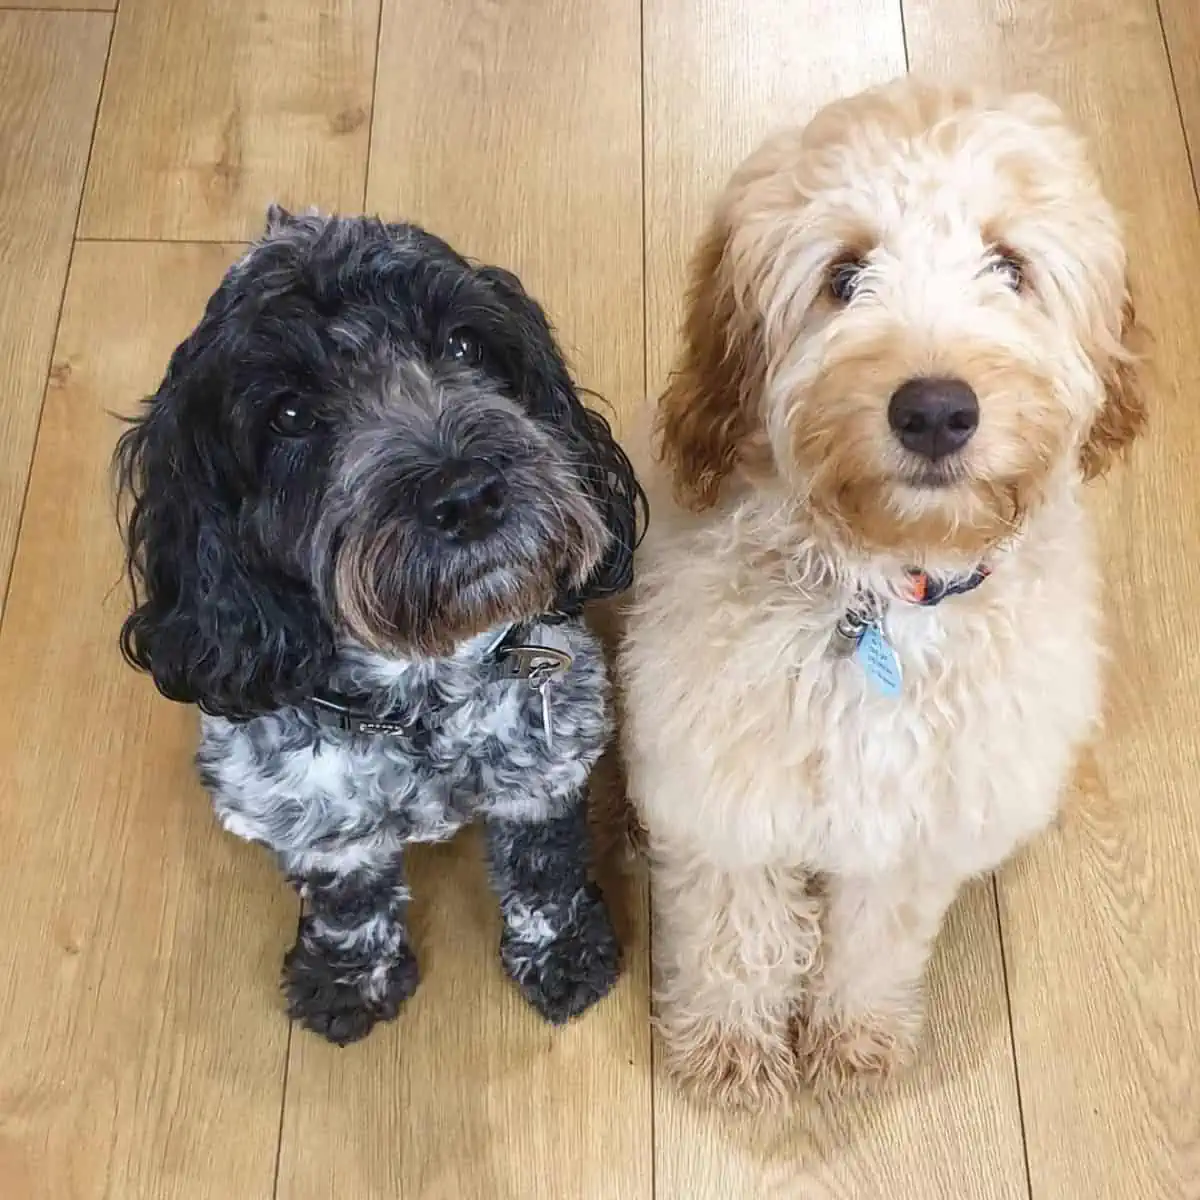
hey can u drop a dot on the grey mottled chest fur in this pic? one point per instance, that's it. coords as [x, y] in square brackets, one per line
[478, 747]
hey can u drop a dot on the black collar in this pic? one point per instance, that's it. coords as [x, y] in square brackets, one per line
[509, 658]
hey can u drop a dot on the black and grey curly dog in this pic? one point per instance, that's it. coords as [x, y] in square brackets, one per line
[365, 508]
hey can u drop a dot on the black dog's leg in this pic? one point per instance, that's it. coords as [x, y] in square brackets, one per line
[352, 964]
[558, 944]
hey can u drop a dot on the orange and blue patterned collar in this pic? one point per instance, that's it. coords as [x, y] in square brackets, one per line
[860, 632]
[921, 588]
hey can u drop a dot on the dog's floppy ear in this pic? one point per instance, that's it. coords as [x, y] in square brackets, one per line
[602, 465]
[211, 627]
[609, 477]
[709, 407]
[1123, 415]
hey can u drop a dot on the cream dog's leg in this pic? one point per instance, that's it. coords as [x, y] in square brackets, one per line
[732, 950]
[865, 1007]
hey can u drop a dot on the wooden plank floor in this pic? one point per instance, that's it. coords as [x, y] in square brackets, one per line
[45, 134]
[143, 1053]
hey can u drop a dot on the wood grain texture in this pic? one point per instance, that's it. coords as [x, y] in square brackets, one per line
[142, 1046]
[214, 108]
[526, 153]
[718, 78]
[1100, 920]
[513, 131]
[1181, 27]
[62, 5]
[51, 65]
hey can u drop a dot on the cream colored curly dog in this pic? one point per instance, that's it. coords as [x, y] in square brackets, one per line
[865, 646]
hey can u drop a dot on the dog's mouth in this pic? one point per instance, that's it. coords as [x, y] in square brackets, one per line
[934, 476]
[398, 584]
[492, 586]
[391, 615]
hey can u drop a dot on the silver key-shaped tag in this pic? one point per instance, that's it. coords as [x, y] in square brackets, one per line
[540, 665]
[547, 725]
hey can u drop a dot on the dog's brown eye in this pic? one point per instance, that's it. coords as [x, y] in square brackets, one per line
[293, 418]
[1009, 267]
[843, 279]
[462, 348]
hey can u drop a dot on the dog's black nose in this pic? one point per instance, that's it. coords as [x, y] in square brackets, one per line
[933, 417]
[464, 500]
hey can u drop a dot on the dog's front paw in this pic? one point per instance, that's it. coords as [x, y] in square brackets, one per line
[561, 967]
[735, 1066]
[342, 1001]
[841, 1054]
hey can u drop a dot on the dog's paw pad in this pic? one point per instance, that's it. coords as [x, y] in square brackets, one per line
[343, 1002]
[562, 973]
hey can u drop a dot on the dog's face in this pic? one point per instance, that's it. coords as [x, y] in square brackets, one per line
[365, 437]
[914, 311]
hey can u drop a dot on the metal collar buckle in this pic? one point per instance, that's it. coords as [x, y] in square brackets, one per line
[538, 664]
[864, 610]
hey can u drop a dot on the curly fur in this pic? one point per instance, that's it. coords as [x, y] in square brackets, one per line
[808, 833]
[283, 543]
